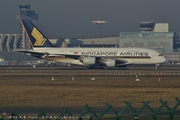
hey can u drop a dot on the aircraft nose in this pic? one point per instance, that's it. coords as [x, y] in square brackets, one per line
[163, 59]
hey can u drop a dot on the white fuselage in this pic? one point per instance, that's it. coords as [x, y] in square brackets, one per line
[130, 55]
[99, 21]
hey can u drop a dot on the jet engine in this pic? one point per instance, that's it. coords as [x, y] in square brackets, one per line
[110, 62]
[89, 60]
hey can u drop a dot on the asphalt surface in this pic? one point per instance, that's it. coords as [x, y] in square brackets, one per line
[81, 71]
[130, 67]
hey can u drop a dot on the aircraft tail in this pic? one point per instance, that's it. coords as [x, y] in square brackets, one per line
[34, 35]
[106, 19]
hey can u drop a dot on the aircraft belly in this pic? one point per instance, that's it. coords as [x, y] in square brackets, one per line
[68, 61]
[136, 61]
[142, 61]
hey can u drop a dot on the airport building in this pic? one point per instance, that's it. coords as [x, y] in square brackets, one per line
[162, 42]
[153, 35]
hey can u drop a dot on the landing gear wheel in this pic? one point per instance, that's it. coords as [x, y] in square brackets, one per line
[156, 67]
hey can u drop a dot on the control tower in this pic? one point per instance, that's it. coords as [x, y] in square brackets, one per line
[146, 26]
[25, 13]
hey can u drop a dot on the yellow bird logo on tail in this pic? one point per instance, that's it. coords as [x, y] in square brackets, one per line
[39, 37]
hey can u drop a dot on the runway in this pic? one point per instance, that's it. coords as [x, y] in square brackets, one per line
[82, 71]
[130, 67]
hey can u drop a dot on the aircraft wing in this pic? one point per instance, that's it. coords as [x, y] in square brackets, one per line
[101, 59]
[31, 52]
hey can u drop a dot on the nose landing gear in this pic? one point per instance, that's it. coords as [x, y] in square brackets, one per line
[156, 67]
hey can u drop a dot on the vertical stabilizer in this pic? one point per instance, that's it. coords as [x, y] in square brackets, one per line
[34, 35]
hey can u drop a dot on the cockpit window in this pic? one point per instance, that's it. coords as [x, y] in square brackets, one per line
[159, 55]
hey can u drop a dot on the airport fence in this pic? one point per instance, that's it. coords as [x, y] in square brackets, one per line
[163, 112]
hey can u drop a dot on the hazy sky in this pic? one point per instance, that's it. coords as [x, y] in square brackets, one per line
[62, 17]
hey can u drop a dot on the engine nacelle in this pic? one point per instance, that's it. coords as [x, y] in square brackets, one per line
[89, 60]
[110, 63]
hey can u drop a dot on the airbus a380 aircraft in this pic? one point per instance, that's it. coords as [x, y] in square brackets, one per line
[90, 57]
